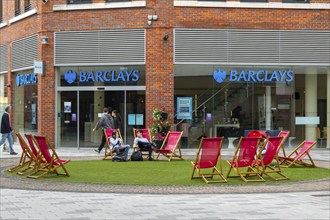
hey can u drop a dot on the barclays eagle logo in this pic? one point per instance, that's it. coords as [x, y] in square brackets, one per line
[219, 75]
[70, 76]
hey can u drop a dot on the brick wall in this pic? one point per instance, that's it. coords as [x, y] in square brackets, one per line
[159, 53]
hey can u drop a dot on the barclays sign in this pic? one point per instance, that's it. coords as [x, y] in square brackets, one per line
[26, 79]
[71, 76]
[253, 75]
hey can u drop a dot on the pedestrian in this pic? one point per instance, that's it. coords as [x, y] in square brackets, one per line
[116, 119]
[105, 122]
[116, 144]
[6, 130]
[141, 142]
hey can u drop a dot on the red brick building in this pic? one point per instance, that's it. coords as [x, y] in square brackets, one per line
[135, 56]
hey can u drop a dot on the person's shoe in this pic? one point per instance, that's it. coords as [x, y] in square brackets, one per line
[97, 151]
[151, 159]
[13, 153]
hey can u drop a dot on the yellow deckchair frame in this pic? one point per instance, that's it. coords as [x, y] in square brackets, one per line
[215, 170]
[107, 151]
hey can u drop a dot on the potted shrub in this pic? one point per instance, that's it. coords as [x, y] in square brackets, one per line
[160, 126]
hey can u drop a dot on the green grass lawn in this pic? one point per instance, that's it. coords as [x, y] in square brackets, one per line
[174, 173]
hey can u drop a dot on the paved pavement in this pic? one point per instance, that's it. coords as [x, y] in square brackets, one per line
[47, 204]
[23, 204]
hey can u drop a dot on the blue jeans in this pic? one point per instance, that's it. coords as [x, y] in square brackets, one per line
[10, 140]
[117, 149]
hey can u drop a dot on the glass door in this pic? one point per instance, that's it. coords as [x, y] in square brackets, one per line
[91, 104]
[67, 119]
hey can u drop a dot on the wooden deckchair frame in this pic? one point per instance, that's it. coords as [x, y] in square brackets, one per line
[149, 139]
[271, 170]
[172, 152]
[49, 166]
[215, 170]
[289, 160]
[107, 151]
[283, 140]
[250, 170]
[27, 158]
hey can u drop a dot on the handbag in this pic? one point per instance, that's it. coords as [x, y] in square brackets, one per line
[136, 156]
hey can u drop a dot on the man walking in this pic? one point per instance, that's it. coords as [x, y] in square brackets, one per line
[105, 122]
[6, 130]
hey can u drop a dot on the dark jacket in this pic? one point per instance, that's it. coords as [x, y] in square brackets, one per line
[5, 126]
[116, 123]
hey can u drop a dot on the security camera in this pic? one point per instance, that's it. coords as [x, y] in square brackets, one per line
[45, 1]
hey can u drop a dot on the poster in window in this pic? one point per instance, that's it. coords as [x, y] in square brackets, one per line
[139, 119]
[74, 117]
[184, 108]
[34, 114]
[131, 119]
[67, 107]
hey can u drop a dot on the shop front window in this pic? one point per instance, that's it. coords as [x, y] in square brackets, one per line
[3, 91]
[25, 103]
[83, 92]
[230, 101]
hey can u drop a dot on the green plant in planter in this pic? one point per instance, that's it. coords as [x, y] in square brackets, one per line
[160, 125]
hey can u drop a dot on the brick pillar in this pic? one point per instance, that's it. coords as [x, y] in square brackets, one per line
[46, 90]
[159, 72]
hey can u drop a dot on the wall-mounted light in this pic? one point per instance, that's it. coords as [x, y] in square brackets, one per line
[165, 36]
[152, 18]
[44, 39]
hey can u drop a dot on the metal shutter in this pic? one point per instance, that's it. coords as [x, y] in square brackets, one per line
[195, 45]
[4, 58]
[251, 47]
[110, 47]
[305, 47]
[24, 52]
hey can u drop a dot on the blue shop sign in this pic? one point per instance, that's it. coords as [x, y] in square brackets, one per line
[71, 76]
[26, 79]
[254, 75]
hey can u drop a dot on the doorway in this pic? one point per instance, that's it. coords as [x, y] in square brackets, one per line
[79, 111]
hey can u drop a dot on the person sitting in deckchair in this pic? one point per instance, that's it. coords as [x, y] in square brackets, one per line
[117, 144]
[141, 142]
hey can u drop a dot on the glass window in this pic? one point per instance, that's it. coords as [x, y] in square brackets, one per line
[295, 1]
[25, 104]
[27, 5]
[1, 2]
[3, 91]
[17, 7]
[229, 101]
[78, 1]
[102, 76]
[254, 0]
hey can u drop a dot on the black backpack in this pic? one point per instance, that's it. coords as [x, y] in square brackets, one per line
[136, 156]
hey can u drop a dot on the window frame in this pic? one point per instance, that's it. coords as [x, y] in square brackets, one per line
[74, 2]
[297, 1]
[255, 1]
[1, 7]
